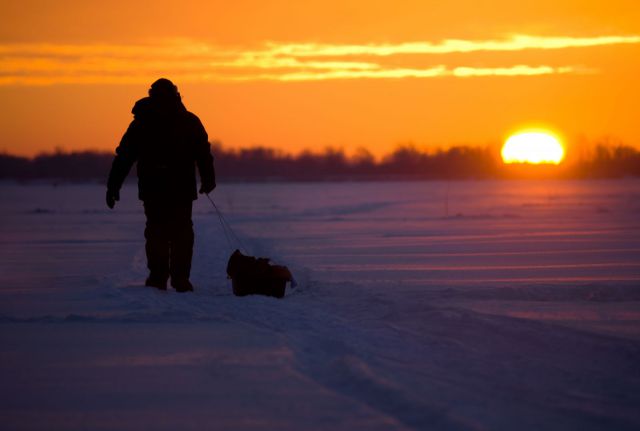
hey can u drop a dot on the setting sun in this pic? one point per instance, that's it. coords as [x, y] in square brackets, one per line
[533, 147]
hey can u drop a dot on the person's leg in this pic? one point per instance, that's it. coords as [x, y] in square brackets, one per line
[181, 245]
[157, 244]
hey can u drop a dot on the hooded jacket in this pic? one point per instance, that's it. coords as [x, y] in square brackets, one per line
[167, 142]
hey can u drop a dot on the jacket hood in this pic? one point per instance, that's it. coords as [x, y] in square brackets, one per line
[158, 107]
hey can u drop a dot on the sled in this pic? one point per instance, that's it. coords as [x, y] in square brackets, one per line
[256, 276]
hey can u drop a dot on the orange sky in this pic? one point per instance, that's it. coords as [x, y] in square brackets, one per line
[312, 74]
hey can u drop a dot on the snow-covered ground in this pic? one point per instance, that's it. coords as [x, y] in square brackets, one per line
[427, 306]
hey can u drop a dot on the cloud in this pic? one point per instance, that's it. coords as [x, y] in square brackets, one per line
[451, 46]
[433, 72]
[193, 61]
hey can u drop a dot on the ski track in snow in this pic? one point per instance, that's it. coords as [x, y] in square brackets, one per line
[518, 310]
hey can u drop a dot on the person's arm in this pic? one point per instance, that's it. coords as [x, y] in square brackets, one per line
[204, 159]
[126, 156]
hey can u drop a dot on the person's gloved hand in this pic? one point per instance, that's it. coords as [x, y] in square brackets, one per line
[112, 197]
[207, 188]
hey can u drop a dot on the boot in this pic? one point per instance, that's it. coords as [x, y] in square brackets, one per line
[182, 285]
[156, 281]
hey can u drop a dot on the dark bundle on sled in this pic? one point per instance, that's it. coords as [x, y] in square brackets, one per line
[256, 276]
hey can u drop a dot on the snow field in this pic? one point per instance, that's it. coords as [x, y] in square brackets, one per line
[469, 305]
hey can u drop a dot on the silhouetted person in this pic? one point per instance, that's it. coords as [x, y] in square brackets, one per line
[167, 142]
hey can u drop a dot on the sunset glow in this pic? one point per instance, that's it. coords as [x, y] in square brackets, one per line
[295, 76]
[534, 147]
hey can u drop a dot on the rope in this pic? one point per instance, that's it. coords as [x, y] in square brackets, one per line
[226, 228]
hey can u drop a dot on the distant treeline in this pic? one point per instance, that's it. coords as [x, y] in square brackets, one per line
[406, 162]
